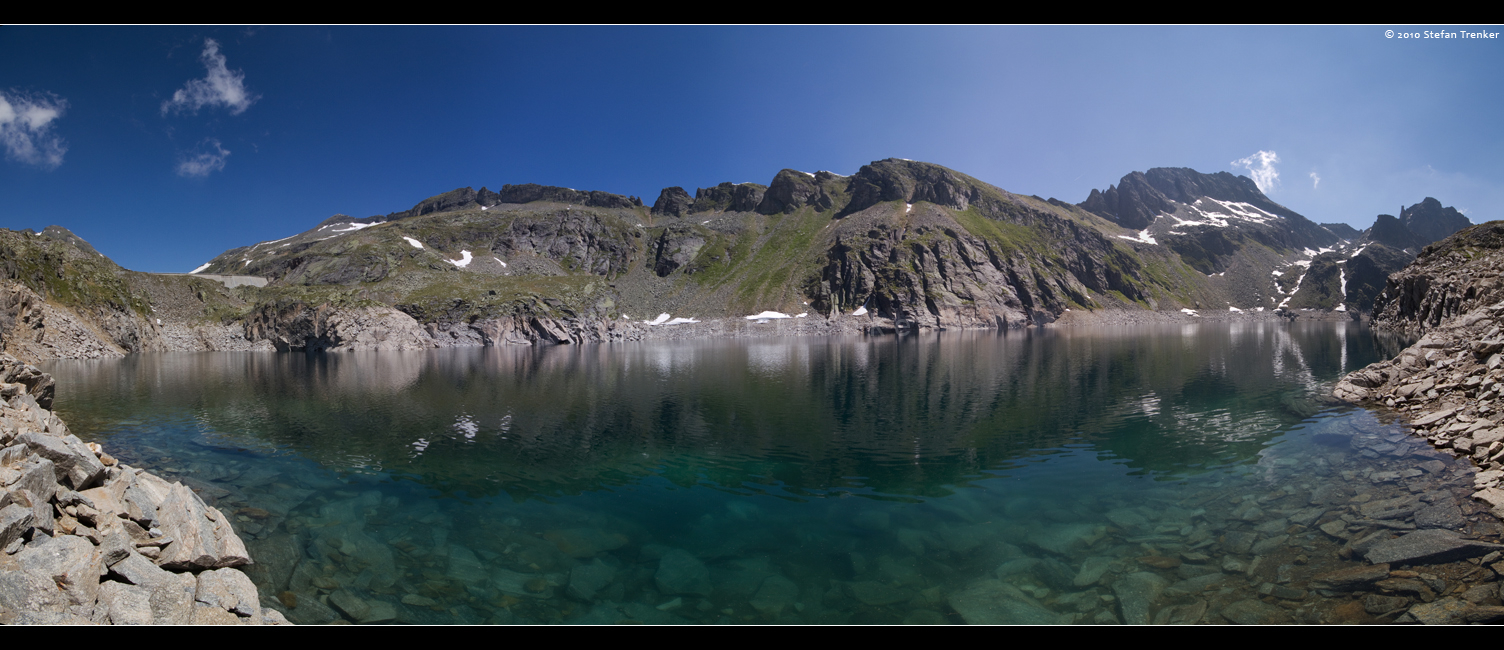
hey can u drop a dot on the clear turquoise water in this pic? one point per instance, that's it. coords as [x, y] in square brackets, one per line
[813, 480]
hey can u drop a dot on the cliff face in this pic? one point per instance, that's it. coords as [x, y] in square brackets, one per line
[1448, 279]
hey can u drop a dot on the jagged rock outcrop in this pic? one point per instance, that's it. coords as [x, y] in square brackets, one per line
[1368, 272]
[895, 179]
[792, 189]
[676, 247]
[32, 328]
[932, 274]
[1431, 222]
[1391, 232]
[735, 197]
[1208, 218]
[530, 192]
[85, 539]
[465, 197]
[1448, 279]
[315, 328]
[673, 201]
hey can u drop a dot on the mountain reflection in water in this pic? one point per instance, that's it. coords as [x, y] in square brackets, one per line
[606, 482]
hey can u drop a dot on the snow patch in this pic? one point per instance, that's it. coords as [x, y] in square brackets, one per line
[681, 321]
[353, 227]
[1234, 309]
[1355, 253]
[1258, 309]
[1219, 214]
[272, 242]
[463, 261]
[416, 244]
[806, 174]
[767, 315]
[1191, 312]
[1143, 236]
[908, 207]
[801, 314]
[200, 269]
[661, 319]
[498, 261]
[860, 311]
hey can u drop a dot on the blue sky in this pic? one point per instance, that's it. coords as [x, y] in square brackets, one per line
[165, 146]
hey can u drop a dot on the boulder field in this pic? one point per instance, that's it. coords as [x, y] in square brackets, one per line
[86, 539]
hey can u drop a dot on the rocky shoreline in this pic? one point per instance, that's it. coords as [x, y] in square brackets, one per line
[1448, 385]
[89, 540]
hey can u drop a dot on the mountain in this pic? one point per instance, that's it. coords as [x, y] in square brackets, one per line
[899, 244]
[1431, 222]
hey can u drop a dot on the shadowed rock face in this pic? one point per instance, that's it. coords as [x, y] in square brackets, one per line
[1449, 278]
[792, 189]
[673, 201]
[315, 328]
[676, 247]
[1431, 222]
[734, 197]
[908, 181]
[1391, 232]
[1368, 271]
[467, 198]
[1140, 198]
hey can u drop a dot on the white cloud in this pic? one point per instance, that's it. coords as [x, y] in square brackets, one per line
[204, 162]
[26, 128]
[1261, 167]
[1315, 180]
[222, 87]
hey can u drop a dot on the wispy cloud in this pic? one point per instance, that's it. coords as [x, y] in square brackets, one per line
[26, 128]
[1315, 180]
[221, 87]
[204, 161]
[1261, 167]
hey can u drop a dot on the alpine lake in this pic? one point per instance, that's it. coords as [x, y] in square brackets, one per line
[1166, 474]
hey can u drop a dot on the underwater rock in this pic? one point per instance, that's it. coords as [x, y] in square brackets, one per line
[994, 602]
[682, 573]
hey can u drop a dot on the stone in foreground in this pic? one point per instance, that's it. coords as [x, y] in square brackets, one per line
[1432, 546]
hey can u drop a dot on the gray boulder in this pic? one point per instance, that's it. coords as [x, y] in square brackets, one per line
[229, 590]
[124, 604]
[169, 594]
[1431, 546]
[75, 465]
[202, 537]
[73, 566]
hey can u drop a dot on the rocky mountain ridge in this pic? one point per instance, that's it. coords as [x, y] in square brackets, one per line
[899, 244]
